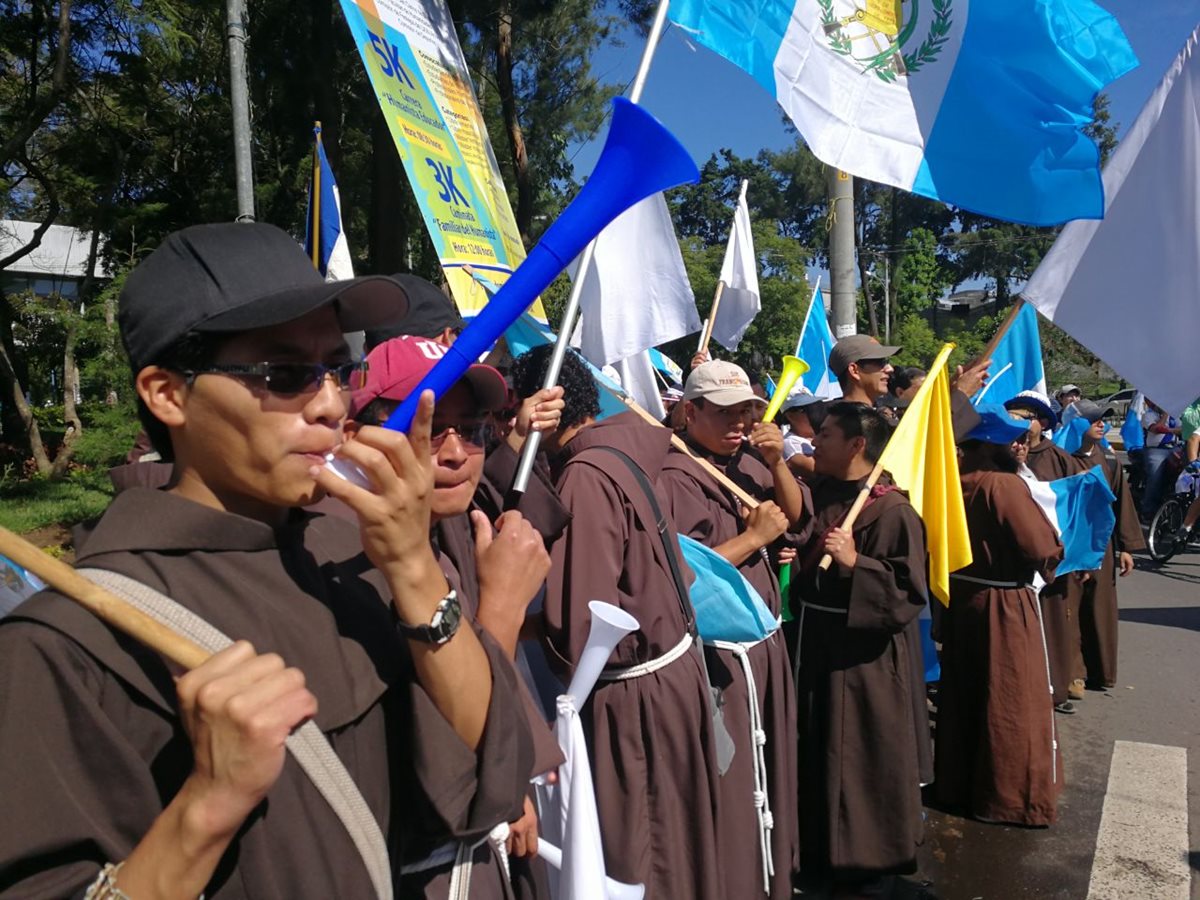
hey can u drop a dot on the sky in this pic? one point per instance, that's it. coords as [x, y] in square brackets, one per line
[710, 104]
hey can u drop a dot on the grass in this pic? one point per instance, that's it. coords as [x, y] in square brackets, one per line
[35, 503]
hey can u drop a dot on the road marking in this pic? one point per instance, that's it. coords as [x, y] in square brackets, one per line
[1142, 845]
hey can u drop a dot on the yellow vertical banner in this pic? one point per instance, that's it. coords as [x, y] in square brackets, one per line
[417, 69]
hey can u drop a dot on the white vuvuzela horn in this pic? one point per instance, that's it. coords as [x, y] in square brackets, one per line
[616, 890]
[609, 625]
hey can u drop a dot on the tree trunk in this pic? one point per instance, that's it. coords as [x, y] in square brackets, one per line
[40, 106]
[32, 434]
[516, 139]
[388, 237]
[70, 414]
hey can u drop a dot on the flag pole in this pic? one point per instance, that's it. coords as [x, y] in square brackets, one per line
[105, 605]
[861, 500]
[706, 335]
[314, 211]
[571, 313]
[1003, 329]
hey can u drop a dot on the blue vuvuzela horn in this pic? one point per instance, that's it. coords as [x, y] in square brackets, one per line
[640, 158]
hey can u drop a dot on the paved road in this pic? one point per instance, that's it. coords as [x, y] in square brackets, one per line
[1150, 842]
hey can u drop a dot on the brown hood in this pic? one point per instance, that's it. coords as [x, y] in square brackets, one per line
[645, 444]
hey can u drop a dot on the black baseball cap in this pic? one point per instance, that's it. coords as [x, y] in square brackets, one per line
[232, 277]
[430, 312]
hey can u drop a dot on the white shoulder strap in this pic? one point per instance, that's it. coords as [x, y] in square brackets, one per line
[307, 744]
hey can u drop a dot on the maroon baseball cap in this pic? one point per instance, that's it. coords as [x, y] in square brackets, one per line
[396, 367]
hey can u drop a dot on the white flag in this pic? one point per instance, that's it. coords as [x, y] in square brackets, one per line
[740, 301]
[636, 295]
[1126, 287]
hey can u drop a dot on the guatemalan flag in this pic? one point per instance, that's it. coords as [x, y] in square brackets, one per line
[815, 344]
[325, 241]
[1016, 361]
[978, 103]
[1080, 507]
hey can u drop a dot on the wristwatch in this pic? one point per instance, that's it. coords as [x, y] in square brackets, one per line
[441, 627]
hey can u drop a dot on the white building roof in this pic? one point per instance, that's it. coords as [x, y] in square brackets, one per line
[62, 253]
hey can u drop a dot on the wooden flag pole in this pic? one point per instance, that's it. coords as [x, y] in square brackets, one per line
[678, 443]
[706, 335]
[103, 604]
[861, 500]
[1003, 329]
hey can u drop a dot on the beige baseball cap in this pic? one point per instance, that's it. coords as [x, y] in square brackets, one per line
[720, 382]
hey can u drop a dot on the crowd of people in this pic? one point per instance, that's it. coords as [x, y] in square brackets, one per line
[426, 619]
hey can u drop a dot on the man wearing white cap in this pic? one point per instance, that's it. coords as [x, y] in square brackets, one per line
[722, 415]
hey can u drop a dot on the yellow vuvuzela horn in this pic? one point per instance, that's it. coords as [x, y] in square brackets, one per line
[793, 368]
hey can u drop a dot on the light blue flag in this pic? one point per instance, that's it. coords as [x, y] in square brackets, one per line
[16, 585]
[980, 104]
[815, 344]
[1016, 362]
[770, 387]
[527, 333]
[1133, 436]
[1069, 434]
[669, 368]
[1080, 507]
[324, 240]
[728, 608]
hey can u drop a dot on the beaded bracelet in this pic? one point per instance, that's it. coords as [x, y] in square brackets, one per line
[105, 885]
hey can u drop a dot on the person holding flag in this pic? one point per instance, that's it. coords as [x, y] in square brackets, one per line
[1060, 605]
[721, 426]
[1096, 662]
[860, 797]
[996, 756]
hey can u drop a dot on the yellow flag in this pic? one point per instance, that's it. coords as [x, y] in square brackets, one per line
[923, 461]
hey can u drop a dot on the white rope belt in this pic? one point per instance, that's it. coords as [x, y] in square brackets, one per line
[758, 743]
[989, 583]
[647, 668]
[461, 854]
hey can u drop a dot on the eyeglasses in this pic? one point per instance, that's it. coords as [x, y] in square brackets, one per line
[291, 378]
[477, 434]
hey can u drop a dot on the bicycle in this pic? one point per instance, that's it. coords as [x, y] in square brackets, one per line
[1161, 543]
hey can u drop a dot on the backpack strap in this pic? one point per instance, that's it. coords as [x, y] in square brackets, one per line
[308, 746]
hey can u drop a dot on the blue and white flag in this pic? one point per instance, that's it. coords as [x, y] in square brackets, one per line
[978, 104]
[815, 344]
[1017, 361]
[1080, 507]
[1133, 436]
[670, 369]
[325, 241]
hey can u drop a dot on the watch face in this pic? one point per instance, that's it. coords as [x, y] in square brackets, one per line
[451, 614]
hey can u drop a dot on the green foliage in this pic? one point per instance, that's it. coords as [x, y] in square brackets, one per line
[39, 502]
[108, 435]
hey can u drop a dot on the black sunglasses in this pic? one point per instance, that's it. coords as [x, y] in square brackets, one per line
[477, 434]
[291, 378]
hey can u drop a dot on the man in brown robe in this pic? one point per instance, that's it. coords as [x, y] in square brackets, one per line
[861, 727]
[997, 755]
[651, 738]
[496, 572]
[106, 758]
[722, 426]
[1060, 605]
[1098, 623]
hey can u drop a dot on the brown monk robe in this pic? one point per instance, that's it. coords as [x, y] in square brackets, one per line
[650, 738]
[860, 727]
[996, 754]
[720, 409]
[1060, 605]
[1096, 659]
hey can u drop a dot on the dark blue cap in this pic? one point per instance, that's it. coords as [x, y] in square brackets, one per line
[996, 426]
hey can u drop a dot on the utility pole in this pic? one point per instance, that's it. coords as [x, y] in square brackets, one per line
[239, 92]
[841, 252]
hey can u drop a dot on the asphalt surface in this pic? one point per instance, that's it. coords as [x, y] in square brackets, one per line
[1156, 701]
